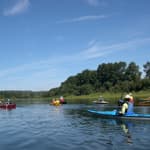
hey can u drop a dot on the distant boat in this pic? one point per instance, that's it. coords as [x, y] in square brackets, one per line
[8, 106]
[55, 102]
[100, 101]
[144, 102]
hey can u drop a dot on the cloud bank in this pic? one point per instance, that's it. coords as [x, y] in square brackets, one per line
[47, 71]
[93, 50]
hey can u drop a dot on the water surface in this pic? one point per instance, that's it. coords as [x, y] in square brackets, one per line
[45, 127]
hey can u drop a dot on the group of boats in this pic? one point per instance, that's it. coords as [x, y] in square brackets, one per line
[105, 114]
[58, 101]
[114, 113]
[7, 104]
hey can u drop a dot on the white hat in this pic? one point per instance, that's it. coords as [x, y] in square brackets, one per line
[127, 96]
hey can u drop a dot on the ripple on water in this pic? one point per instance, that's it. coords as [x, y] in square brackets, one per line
[43, 127]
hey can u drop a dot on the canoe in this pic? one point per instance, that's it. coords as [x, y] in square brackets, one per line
[113, 114]
[8, 106]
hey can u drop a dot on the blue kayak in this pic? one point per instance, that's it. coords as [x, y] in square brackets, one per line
[113, 114]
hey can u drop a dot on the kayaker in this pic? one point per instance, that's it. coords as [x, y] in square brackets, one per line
[131, 98]
[130, 104]
[57, 102]
[61, 99]
[53, 101]
[127, 107]
[8, 101]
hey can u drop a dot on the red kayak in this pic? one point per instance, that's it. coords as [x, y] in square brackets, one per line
[8, 106]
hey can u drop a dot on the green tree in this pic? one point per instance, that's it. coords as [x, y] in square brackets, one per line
[147, 69]
[110, 74]
[132, 72]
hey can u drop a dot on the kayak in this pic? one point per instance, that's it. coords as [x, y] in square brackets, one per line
[100, 102]
[55, 104]
[113, 114]
[8, 106]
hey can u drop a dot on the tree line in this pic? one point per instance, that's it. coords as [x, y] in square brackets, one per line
[22, 94]
[113, 77]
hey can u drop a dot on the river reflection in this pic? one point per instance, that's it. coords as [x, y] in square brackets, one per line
[68, 127]
[119, 132]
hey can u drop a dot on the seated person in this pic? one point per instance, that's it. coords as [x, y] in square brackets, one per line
[127, 107]
[61, 99]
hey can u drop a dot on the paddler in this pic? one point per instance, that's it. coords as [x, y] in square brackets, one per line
[57, 102]
[127, 107]
[61, 99]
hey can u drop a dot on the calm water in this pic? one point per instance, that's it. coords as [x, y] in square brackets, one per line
[69, 127]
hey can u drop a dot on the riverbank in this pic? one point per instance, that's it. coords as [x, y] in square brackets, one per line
[111, 97]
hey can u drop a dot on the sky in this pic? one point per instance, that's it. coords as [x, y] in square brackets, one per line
[43, 42]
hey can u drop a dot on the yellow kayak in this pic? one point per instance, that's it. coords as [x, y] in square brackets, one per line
[56, 103]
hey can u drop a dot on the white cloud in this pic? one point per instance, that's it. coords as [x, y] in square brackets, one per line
[83, 18]
[94, 50]
[97, 50]
[19, 7]
[47, 73]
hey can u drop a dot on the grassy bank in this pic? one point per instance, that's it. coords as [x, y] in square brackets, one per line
[109, 96]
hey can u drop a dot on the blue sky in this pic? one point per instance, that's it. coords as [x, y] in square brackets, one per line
[43, 42]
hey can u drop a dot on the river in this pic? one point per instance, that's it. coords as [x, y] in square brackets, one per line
[70, 127]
